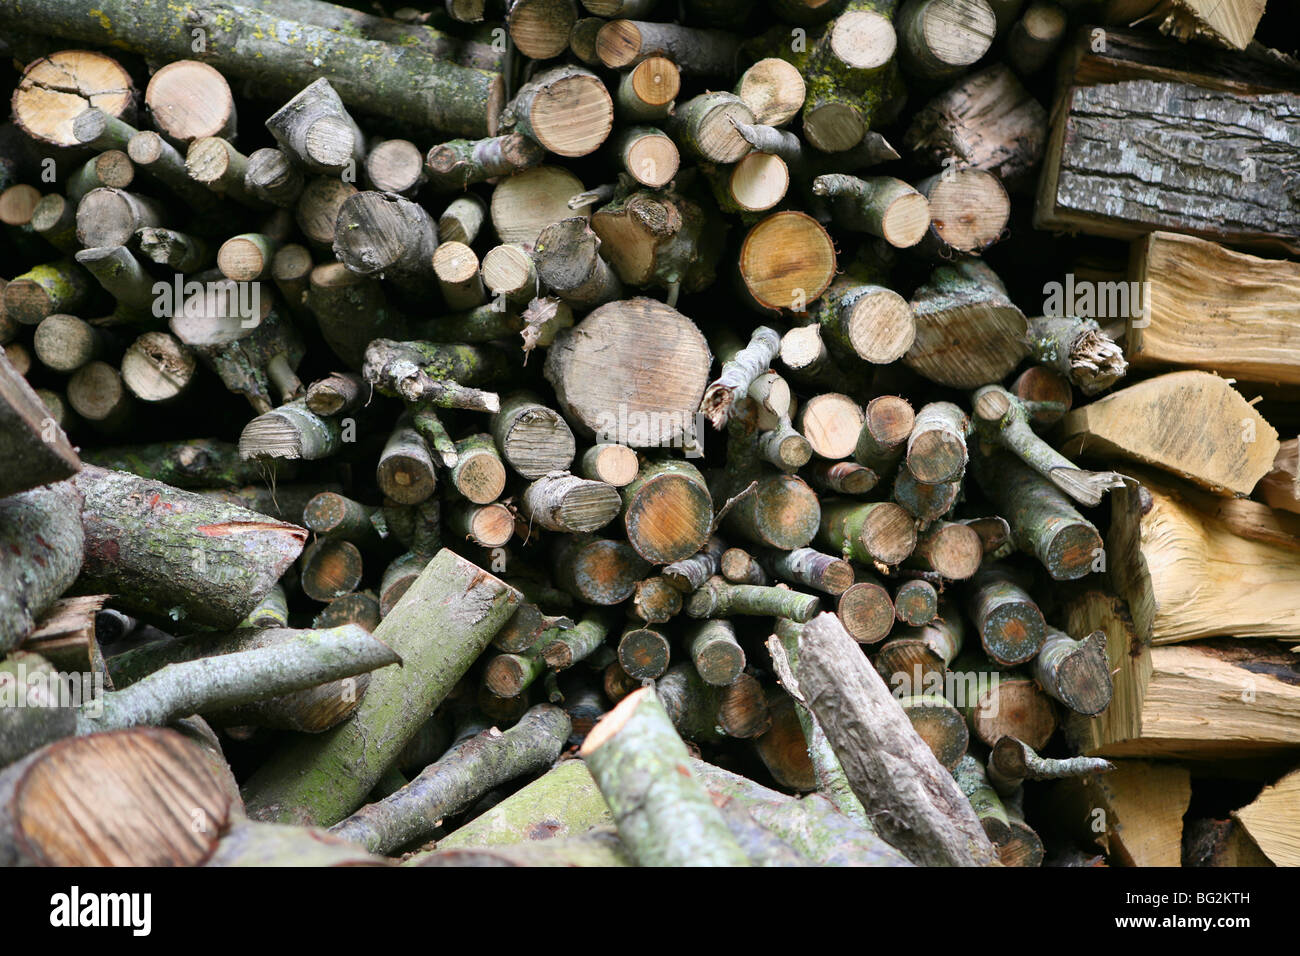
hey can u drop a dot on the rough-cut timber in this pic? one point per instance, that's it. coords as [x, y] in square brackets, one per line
[169, 552]
[1110, 167]
[663, 813]
[914, 802]
[411, 85]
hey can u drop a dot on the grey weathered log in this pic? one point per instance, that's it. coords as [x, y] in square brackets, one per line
[912, 799]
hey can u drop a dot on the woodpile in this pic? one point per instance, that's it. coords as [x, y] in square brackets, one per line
[738, 433]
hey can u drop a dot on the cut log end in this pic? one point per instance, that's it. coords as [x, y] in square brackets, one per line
[866, 611]
[787, 261]
[152, 785]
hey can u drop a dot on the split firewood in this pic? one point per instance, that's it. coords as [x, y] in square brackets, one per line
[1280, 488]
[1134, 814]
[1247, 293]
[1170, 607]
[1210, 842]
[1269, 820]
[1232, 449]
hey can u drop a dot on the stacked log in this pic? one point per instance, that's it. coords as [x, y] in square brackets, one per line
[542, 420]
